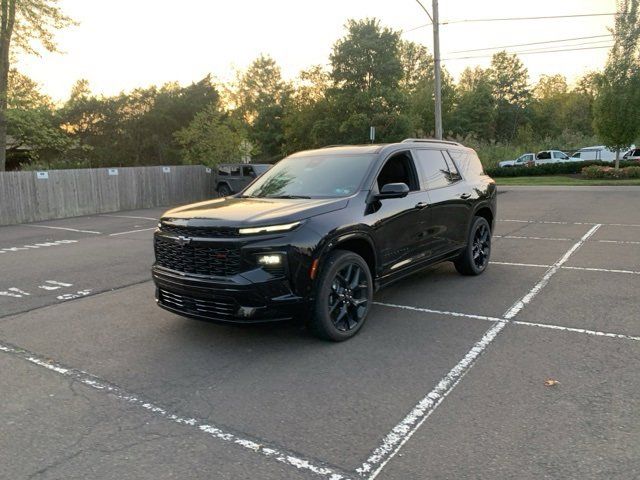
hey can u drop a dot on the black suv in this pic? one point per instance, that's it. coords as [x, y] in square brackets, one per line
[234, 177]
[317, 234]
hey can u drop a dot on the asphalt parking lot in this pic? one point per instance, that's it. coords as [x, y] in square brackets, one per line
[446, 380]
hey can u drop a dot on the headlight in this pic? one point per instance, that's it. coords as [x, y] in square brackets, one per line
[270, 259]
[268, 229]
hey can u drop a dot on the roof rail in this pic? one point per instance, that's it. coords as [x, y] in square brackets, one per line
[430, 140]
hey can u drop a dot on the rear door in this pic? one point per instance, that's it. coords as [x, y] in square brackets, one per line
[248, 175]
[448, 212]
[235, 178]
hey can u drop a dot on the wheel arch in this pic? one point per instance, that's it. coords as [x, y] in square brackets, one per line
[485, 212]
[225, 183]
[359, 243]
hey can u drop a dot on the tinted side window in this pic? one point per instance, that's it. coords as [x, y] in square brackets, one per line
[544, 155]
[248, 172]
[234, 170]
[434, 169]
[398, 169]
[468, 163]
[223, 171]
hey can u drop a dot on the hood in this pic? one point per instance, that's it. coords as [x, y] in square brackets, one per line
[241, 212]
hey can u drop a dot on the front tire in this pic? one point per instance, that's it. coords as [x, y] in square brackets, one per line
[224, 191]
[475, 257]
[343, 296]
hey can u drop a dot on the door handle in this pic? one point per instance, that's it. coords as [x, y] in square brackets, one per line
[422, 205]
[464, 196]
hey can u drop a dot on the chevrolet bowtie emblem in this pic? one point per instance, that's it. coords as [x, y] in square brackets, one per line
[182, 241]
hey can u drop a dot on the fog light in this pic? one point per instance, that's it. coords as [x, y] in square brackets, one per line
[270, 260]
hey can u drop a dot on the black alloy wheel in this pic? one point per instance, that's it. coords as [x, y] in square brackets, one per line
[474, 259]
[344, 294]
[348, 297]
[481, 246]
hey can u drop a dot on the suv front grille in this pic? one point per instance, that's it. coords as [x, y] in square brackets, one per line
[214, 307]
[200, 232]
[212, 260]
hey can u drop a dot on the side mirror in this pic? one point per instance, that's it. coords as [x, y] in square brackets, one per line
[393, 190]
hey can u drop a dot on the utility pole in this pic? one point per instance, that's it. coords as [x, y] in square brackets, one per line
[436, 65]
[438, 79]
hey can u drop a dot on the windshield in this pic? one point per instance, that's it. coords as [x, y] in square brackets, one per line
[313, 176]
[260, 169]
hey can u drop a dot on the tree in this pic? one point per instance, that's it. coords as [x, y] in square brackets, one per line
[259, 95]
[509, 79]
[307, 114]
[24, 22]
[418, 85]
[474, 112]
[212, 137]
[548, 105]
[134, 128]
[366, 72]
[617, 104]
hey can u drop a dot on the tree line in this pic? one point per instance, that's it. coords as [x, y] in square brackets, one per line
[374, 78]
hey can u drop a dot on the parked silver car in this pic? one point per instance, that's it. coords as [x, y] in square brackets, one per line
[523, 160]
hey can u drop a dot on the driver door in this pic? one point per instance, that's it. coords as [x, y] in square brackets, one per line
[396, 221]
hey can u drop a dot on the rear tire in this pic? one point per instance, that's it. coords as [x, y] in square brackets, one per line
[343, 296]
[475, 257]
[224, 191]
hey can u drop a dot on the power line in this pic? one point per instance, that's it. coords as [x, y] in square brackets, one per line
[532, 43]
[530, 52]
[508, 19]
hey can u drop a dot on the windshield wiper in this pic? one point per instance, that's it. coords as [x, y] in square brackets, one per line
[287, 196]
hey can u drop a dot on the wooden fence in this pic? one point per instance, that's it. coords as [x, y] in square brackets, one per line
[34, 196]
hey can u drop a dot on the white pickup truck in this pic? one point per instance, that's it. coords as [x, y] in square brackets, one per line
[551, 156]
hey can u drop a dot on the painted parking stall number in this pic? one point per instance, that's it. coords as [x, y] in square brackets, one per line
[36, 246]
[47, 286]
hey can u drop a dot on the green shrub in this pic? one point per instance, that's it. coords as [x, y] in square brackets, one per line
[633, 172]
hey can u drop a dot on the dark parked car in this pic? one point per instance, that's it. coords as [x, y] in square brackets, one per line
[316, 235]
[233, 177]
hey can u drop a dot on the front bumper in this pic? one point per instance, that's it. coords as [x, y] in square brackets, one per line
[239, 299]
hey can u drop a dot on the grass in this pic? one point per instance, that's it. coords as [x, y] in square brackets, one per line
[562, 180]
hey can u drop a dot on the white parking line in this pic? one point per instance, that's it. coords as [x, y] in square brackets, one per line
[519, 237]
[577, 330]
[400, 434]
[512, 264]
[522, 237]
[621, 242]
[440, 312]
[131, 231]
[514, 322]
[130, 216]
[549, 222]
[607, 270]
[277, 454]
[564, 267]
[61, 228]
[520, 304]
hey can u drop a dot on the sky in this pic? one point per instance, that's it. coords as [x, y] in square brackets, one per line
[123, 44]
